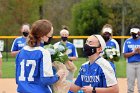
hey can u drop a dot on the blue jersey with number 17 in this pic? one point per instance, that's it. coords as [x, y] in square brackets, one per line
[34, 72]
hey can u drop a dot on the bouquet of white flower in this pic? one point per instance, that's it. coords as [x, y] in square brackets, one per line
[60, 62]
[58, 54]
[111, 54]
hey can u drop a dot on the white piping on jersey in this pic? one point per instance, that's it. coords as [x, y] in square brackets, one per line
[14, 42]
[50, 89]
[116, 43]
[47, 62]
[85, 63]
[108, 71]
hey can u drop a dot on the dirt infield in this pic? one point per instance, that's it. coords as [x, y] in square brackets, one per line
[9, 85]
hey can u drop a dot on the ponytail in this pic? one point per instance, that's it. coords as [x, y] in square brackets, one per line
[33, 41]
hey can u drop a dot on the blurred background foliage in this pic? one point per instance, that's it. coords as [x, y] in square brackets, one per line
[83, 17]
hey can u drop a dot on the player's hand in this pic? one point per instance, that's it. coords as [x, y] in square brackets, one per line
[87, 89]
[136, 50]
[61, 73]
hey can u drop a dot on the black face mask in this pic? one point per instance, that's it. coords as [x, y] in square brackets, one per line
[64, 38]
[106, 37]
[88, 50]
[25, 34]
[134, 36]
[49, 41]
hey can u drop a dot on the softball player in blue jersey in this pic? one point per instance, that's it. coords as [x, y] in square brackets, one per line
[20, 42]
[107, 33]
[131, 51]
[97, 75]
[34, 72]
[72, 51]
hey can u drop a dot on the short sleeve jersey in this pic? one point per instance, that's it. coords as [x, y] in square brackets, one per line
[129, 45]
[98, 74]
[34, 72]
[18, 43]
[112, 43]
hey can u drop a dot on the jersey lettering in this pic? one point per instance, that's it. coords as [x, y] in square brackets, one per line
[90, 78]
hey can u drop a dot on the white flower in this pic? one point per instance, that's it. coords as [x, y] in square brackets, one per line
[52, 51]
[113, 51]
[118, 54]
[61, 48]
[57, 54]
[111, 56]
[68, 51]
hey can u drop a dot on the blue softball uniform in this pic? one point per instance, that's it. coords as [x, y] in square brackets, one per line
[112, 43]
[72, 52]
[34, 72]
[98, 74]
[129, 45]
[18, 43]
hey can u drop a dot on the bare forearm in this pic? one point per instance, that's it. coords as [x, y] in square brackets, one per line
[112, 89]
[14, 53]
[126, 55]
[74, 88]
[73, 58]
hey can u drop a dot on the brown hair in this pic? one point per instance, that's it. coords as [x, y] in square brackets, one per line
[64, 27]
[39, 29]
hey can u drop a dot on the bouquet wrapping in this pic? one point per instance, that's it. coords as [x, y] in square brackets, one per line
[111, 54]
[62, 85]
[70, 66]
[61, 62]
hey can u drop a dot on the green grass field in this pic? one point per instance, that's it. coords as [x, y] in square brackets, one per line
[8, 68]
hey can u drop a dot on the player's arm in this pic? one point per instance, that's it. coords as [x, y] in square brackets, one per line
[53, 79]
[46, 71]
[14, 50]
[74, 53]
[78, 83]
[0, 65]
[127, 53]
[73, 58]
[74, 88]
[14, 53]
[111, 89]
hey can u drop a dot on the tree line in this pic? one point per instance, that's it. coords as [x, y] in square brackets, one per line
[83, 17]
